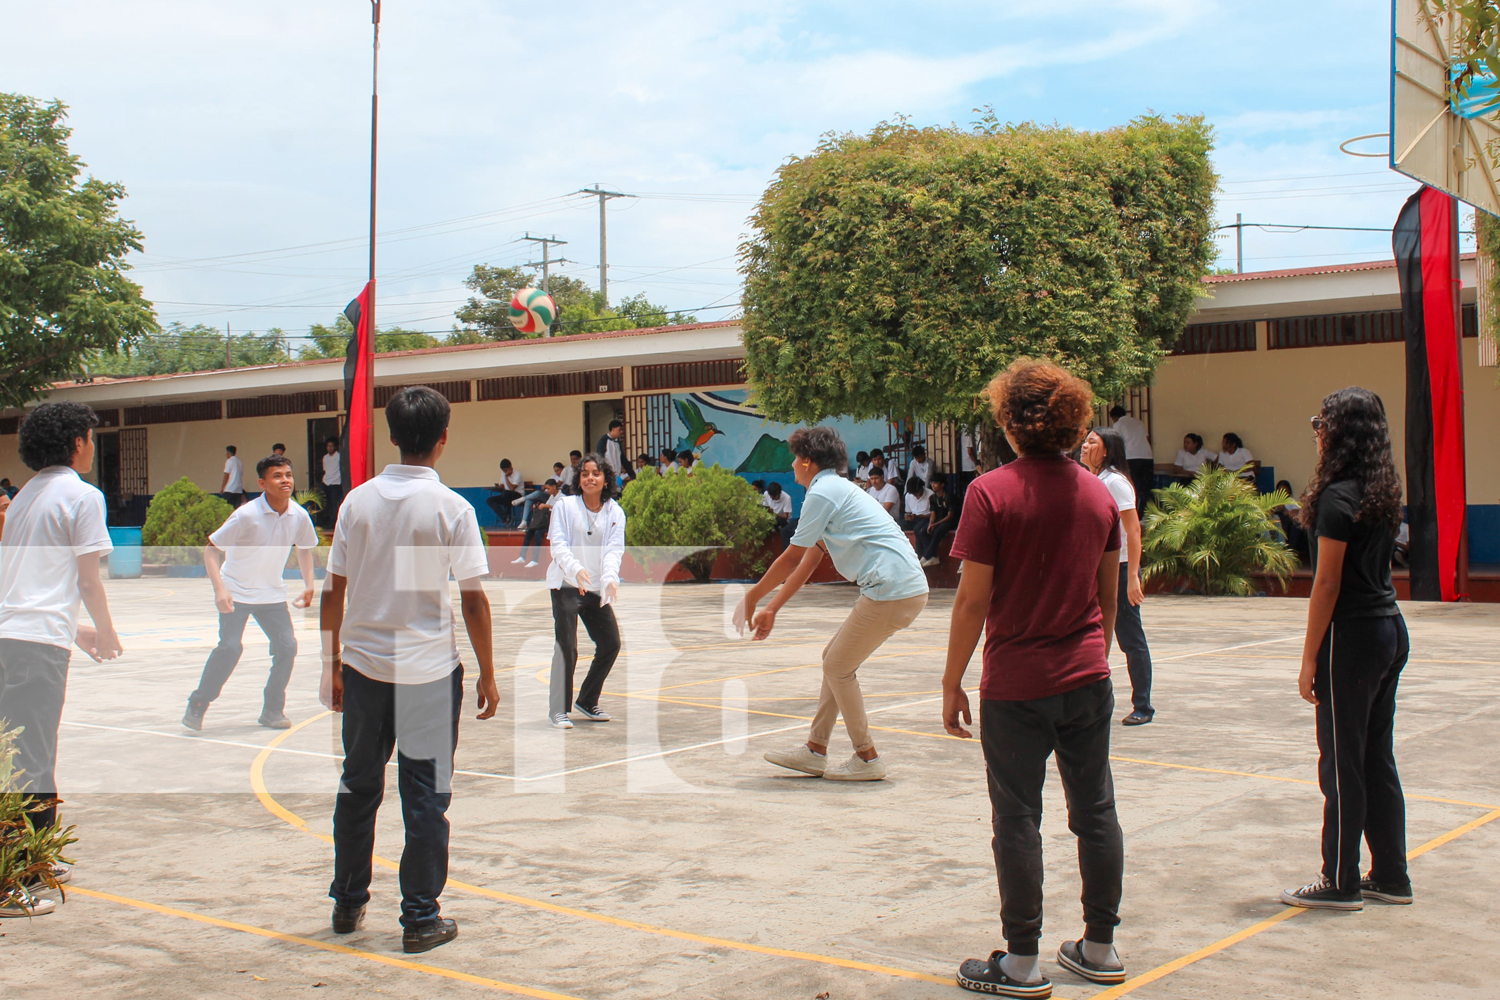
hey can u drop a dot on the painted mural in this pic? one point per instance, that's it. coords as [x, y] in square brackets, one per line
[725, 428]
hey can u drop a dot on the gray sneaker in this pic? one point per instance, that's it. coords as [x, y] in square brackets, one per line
[799, 758]
[193, 717]
[857, 769]
[20, 903]
[561, 721]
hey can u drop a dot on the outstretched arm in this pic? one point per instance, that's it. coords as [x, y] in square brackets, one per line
[765, 621]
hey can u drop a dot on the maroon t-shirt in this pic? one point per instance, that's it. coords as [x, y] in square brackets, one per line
[1044, 524]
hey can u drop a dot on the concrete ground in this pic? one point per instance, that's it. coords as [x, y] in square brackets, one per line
[658, 855]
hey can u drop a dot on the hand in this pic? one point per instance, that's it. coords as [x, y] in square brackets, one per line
[1305, 681]
[88, 641]
[764, 622]
[223, 601]
[584, 580]
[305, 601]
[99, 643]
[956, 704]
[611, 591]
[744, 612]
[1134, 591]
[331, 686]
[489, 696]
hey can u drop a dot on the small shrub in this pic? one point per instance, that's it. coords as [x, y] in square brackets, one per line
[26, 853]
[179, 521]
[711, 509]
[1217, 533]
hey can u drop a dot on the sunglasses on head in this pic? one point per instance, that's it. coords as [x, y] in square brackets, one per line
[1318, 423]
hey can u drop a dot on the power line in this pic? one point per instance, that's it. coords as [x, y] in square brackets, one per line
[603, 196]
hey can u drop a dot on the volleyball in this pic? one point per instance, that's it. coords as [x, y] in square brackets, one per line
[532, 310]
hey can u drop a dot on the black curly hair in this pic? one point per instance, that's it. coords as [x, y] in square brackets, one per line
[611, 489]
[1356, 446]
[48, 433]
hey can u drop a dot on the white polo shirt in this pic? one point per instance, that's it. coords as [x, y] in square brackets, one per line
[256, 541]
[1191, 461]
[333, 472]
[235, 470]
[54, 519]
[1137, 444]
[1124, 496]
[399, 538]
[781, 505]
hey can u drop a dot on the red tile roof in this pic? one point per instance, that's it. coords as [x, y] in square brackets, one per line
[1298, 272]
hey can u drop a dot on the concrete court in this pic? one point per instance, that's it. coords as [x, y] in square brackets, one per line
[695, 868]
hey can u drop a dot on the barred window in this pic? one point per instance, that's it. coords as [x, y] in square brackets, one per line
[453, 392]
[1216, 338]
[275, 406]
[175, 413]
[560, 384]
[687, 375]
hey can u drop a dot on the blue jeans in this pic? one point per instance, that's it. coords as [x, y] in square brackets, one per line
[276, 622]
[422, 720]
[531, 498]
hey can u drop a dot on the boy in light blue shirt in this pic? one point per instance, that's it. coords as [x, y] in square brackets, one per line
[866, 546]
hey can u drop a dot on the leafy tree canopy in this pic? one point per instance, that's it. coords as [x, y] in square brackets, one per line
[891, 275]
[580, 309]
[63, 290]
[196, 348]
[333, 341]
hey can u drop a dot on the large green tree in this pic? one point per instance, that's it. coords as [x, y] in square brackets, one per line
[333, 341]
[63, 290]
[891, 275]
[581, 309]
[196, 348]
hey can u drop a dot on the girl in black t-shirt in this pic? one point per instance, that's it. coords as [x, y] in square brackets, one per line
[1352, 658]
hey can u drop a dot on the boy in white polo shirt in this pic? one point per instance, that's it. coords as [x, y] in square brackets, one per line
[253, 544]
[399, 681]
[49, 562]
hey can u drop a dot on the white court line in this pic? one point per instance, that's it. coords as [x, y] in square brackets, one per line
[1222, 649]
[195, 739]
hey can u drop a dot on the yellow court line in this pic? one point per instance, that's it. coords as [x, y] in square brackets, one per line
[1162, 971]
[369, 956]
[258, 785]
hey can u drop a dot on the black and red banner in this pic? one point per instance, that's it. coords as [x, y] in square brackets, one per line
[1426, 245]
[357, 445]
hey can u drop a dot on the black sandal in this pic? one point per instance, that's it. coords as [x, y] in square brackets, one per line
[983, 976]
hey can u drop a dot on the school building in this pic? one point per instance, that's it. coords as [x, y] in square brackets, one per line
[1260, 353]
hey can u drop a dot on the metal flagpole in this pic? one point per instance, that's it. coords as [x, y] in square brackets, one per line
[369, 347]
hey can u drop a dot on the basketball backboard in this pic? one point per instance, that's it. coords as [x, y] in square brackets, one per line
[1446, 140]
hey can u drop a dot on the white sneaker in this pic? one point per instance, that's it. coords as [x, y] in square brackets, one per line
[21, 903]
[518, 501]
[931, 561]
[799, 759]
[519, 560]
[856, 769]
[532, 565]
[561, 721]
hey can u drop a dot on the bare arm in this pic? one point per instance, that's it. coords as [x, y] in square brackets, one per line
[477, 622]
[1130, 520]
[100, 642]
[1325, 595]
[213, 562]
[305, 567]
[970, 605]
[330, 621]
[781, 570]
[1109, 593]
[766, 619]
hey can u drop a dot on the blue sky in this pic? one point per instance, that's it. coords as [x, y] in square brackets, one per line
[241, 130]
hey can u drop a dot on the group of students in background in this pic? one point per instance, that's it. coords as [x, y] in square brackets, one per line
[232, 485]
[1050, 554]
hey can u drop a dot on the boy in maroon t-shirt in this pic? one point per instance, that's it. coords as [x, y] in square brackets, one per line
[1040, 541]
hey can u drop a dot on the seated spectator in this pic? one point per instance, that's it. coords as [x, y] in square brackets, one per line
[1191, 456]
[642, 463]
[920, 467]
[1291, 521]
[942, 517]
[862, 468]
[779, 503]
[667, 463]
[505, 493]
[884, 493]
[1401, 554]
[1233, 455]
[685, 461]
[539, 519]
[917, 507]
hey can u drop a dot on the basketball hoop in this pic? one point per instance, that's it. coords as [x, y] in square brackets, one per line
[1344, 146]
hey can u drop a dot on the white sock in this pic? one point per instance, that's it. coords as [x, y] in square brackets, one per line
[1022, 968]
[1099, 954]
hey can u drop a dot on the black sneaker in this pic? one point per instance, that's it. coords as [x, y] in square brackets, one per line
[1323, 895]
[277, 721]
[1070, 957]
[415, 940]
[193, 717]
[1135, 719]
[347, 919]
[984, 976]
[593, 714]
[1386, 892]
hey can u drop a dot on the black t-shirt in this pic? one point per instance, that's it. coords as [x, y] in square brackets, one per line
[940, 506]
[1366, 591]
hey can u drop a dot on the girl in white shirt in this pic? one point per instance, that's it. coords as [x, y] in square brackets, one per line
[1233, 455]
[1192, 456]
[588, 542]
[1104, 454]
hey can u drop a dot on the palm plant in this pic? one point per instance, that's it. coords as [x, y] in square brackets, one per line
[310, 500]
[27, 855]
[1217, 533]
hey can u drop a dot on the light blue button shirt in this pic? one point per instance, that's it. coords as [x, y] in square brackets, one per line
[865, 544]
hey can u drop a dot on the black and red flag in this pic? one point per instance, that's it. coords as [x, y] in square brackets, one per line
[1426, 245]
[357, 445]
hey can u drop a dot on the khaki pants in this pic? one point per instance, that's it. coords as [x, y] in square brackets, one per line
[868, 625]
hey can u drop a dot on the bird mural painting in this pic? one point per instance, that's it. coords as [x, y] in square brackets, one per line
[699, 431]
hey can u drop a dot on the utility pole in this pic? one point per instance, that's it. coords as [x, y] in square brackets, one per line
[228, 339]
[547, 242]
[369, 401]
[603, 197]
[1239, 243]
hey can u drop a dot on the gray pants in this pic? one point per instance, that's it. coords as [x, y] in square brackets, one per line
[276, 622]
[33, 684]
